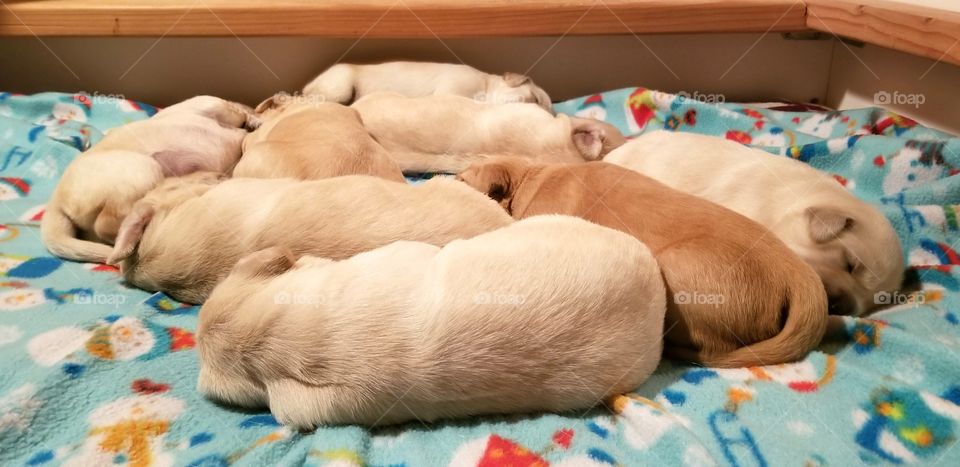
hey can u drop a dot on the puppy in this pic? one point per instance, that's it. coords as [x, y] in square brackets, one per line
[447, 133]
[345, 83]
[304, 138]
[101, 185]
[184, 241]
[848, 242]
[552, 313]
[740, 297]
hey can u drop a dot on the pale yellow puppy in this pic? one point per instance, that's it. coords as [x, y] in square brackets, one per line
[99, 187]
[183, 242]
[552, 313]
[444, 133]
[305, 138]
[848, 242]
[345, 83]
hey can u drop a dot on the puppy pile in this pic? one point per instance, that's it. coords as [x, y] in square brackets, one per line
[561, 252]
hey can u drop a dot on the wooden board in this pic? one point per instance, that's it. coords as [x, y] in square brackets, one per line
[393, 18]
[919, 29]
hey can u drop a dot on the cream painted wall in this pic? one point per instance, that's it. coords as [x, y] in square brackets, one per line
[927, 91]
[741, 66]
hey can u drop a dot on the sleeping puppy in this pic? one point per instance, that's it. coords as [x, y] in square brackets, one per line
[447, 133]
[101, 185]
[345, 83]
[740, 297]
[850, 244]
[552, 313]
[305, 138]
[184, 240]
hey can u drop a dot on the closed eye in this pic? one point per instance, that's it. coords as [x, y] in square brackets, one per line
[851, 268]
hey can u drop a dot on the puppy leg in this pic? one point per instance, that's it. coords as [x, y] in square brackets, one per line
[305, 407]
[226, 113]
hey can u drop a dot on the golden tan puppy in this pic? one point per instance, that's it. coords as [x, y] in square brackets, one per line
[552, 313]
[184, 245]
[850, 244]
[345, 83]
[100, 186]
[445, 133]
[737, 295]
[304, 138]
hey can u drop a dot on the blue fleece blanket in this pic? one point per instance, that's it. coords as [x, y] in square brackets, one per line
[95, 373]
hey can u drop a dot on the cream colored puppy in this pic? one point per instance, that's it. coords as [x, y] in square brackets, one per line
[850, 244]
[448, 133]
[100, 186]
[305, 138]
[345, 83]
[552, 313]
[183, 242]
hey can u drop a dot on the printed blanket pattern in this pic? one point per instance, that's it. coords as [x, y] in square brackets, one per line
[96, 373]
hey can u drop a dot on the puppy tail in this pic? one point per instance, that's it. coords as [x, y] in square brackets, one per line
[418, 163]
[59, 236]
[336, 84]
[805, 324]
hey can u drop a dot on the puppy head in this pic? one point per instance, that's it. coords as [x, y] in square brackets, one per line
[499, 179]
[594, 138]
[853, 249]
[170, 193]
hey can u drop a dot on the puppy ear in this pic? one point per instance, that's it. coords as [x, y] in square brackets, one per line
[515, 79]
[826, 224]
[267, 262]
[131, 231]
[588, 137]
[492, 179]
[272, 102]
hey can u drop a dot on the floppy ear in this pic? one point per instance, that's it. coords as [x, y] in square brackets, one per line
[131, 231]
[588, 137]
[272, 102]
[491, 179]
[515, 79]
[826, 224]
[267, 262]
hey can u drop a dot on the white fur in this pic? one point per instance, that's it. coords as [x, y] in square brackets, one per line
[344, 83]
[552, 313]
[185, 240]
[790, 198]
[450, 129]
[99, 187]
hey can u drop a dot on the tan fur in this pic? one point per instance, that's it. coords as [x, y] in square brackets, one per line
[848, 242]
[187, 246]
[773, 307]
[306, 140]
[99, 187]
[552, 313]
[345, 83]
[446, 133]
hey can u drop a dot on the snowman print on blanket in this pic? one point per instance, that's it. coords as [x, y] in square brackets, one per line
[917, 163]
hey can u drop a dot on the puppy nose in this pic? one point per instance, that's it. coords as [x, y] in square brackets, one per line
[841, 304]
